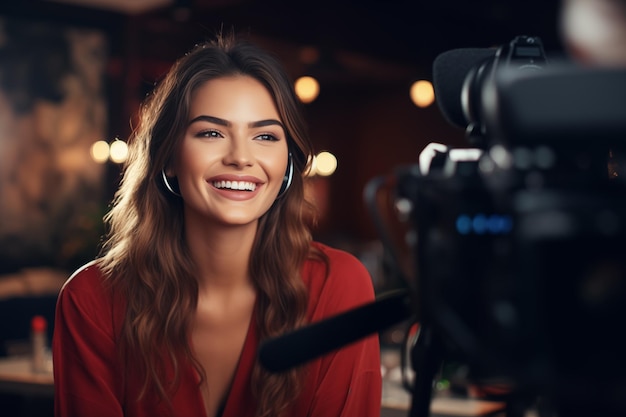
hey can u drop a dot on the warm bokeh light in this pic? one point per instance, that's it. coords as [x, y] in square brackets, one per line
[422, 93]
[326, 164]
[307, 89]
[119, 151]
[100, 151]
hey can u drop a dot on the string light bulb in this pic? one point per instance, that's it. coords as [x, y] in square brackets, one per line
[117, 152]
[100, 151]
[326, 163]
[307, 88]
[422, 93]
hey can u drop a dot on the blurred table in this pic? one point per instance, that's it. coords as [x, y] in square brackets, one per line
[17, 377]
[396, 400]
[397, 403]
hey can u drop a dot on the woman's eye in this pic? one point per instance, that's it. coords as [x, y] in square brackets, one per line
[267, 136]
[209, 134]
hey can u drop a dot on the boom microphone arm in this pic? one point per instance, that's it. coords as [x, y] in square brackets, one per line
[302, 345]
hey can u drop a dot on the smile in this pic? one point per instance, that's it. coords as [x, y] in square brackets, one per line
[235, 185]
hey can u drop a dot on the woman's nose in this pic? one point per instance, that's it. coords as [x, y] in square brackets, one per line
[239, 154]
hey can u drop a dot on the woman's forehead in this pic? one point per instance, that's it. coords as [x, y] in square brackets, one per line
[237, 99]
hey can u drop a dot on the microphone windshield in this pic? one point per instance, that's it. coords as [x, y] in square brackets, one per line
[449, 71]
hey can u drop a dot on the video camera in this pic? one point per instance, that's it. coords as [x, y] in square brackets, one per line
[518, 242]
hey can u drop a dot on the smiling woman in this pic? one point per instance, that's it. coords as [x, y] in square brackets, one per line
[234, 139]
[208, 253]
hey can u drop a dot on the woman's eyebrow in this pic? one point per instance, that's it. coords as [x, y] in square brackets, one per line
[211, 119]
[226, 123]
[268, 122]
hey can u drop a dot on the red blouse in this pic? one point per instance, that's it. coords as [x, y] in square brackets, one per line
[89, 380]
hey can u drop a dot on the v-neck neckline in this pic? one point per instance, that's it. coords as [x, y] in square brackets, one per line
[243, 371]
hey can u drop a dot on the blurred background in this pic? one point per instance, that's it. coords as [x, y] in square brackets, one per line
[73, 73]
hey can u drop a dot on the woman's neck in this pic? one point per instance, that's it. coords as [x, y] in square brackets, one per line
[221, 254]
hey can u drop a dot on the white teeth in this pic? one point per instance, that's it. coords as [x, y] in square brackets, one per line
[235, 185]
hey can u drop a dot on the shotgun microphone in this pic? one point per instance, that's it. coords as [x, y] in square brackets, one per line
[307, 343]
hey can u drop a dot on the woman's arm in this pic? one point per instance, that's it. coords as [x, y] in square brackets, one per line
[87, 378]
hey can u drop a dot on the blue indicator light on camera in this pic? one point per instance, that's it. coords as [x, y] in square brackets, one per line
[500, 224]
[482, 224]
[464, 224]
[479, 224]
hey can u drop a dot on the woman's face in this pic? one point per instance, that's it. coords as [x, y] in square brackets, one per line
[233, 156]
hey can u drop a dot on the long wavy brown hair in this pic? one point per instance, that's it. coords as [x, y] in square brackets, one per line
[144, 255]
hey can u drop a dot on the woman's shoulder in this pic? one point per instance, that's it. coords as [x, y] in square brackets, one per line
[87, 291]
[87, 272]
[339, 261]
[86, 302]
[87, 276]
[340, 283]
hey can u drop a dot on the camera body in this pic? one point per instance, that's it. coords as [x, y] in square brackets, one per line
[520, 240]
